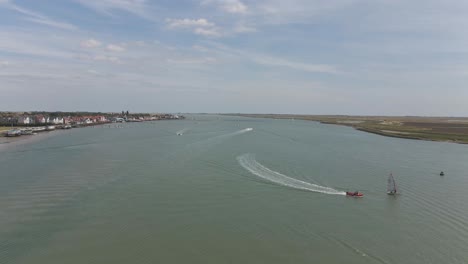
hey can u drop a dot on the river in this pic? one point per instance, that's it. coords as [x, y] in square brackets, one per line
[223, 189]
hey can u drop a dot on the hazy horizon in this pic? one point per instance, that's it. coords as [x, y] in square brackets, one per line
[352, 57]
[229, 113]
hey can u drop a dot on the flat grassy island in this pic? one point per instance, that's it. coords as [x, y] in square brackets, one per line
[448, 129]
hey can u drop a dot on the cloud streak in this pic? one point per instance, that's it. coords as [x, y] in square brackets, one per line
[136, 7]
[115, 48]
[199, 26]
[36, 17]
[91, 43]
[230, 6]
[276, 62]
[188, 23]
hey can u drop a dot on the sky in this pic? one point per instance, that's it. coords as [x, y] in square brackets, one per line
[350, 57]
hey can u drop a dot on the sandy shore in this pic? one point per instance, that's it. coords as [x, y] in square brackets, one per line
[7, 143]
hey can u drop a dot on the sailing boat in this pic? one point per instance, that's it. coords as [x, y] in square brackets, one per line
[391, 185]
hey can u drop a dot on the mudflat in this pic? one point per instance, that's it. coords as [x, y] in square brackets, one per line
[448, 129]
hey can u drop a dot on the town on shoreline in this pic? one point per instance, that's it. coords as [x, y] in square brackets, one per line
[13, 124]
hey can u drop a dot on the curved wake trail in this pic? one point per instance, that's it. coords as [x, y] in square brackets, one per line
[224, 136]
[242, 131]
[249, 163]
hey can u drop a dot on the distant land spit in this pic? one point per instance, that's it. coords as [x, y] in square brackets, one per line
[446, 129]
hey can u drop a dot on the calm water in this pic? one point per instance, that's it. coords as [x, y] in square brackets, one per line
[223, 194]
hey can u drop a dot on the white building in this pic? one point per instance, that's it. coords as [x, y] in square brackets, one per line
[57, 120]
[24, 120]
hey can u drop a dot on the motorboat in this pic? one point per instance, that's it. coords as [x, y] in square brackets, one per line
[355, 194]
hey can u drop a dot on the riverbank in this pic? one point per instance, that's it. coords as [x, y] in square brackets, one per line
[38, 134]
[4, 129]
[444, 129]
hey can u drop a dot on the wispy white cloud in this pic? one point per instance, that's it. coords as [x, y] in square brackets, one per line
[136, 7]
[4, 63]
[115, 48]
[234, 6]
[199, 26]
[209, 32]
[241, 28]
[271, 61]
[94, 72]
[200, 48]
[277, 62]
[91, 43]
[32, 43]
[187, 23]
[36, 17]
[140, 43]
[294, 11]
[192, 61]
[230, 6]
[107, 58]
[52, 23]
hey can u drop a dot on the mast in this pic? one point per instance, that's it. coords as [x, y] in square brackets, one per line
[391, 185]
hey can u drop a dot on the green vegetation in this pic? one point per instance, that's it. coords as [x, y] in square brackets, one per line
[450, 129]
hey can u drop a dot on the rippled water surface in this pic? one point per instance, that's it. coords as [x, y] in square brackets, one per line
[209, 189]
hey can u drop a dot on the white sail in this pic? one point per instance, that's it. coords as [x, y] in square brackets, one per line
[391, 185]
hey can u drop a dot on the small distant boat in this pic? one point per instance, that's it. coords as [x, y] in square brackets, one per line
[391, 185]
[26, 132]
[50, 128]
[13, 133]
[355, 194]
[442, 173]
[38, 129]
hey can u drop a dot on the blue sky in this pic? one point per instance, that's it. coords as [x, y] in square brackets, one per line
[358, 57]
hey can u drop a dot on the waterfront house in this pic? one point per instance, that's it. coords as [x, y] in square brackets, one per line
[57, 120]
[24, 120]
[67, 120]
[40, 119]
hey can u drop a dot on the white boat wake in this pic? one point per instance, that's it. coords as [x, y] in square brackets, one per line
[181, 132]
[249, 163]
[218, 139]
[242, 131]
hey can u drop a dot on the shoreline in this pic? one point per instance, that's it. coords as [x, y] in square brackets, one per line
[7, 142]
[436, 129]
[11, 142]
[403, 136]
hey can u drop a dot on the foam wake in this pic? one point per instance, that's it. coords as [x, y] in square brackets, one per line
[181, 132]
[242, 131]
[249, 163]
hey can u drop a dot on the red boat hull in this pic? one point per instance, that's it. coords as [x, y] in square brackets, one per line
[354, 194]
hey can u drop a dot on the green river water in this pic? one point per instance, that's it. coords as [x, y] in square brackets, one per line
[222, 193]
